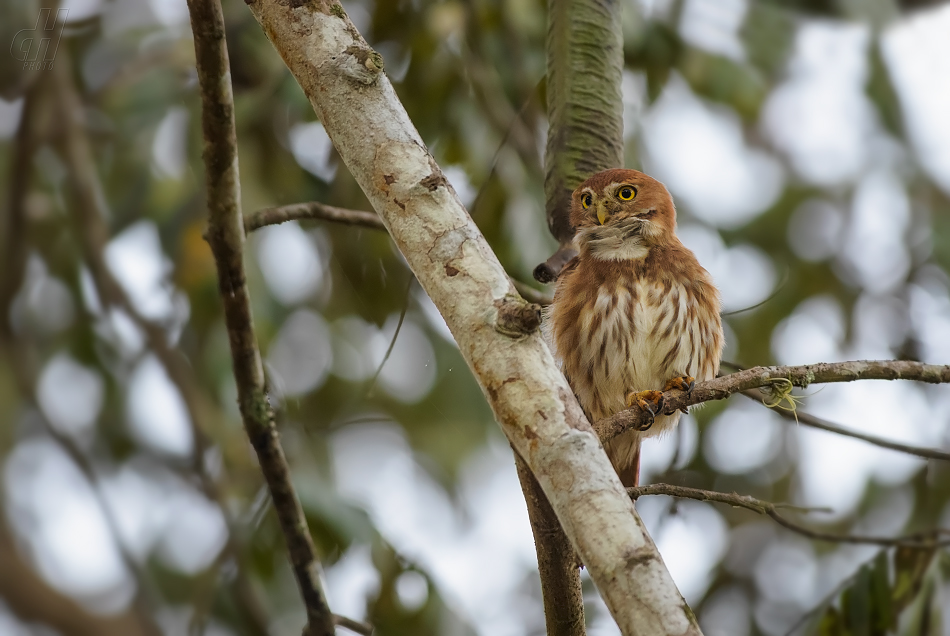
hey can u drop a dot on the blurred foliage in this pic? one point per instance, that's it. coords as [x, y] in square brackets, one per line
[879, 592]
[470, 74]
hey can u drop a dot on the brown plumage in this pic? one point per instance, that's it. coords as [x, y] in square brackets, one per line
[634, 313]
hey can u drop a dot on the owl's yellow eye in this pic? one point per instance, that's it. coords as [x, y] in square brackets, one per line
[586, 200]
[626, 193]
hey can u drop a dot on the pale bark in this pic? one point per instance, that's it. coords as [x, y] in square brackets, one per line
[531, 400]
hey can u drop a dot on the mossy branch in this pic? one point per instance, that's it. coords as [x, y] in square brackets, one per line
[585, 107]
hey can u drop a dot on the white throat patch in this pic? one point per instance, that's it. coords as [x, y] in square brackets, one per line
[616, 242]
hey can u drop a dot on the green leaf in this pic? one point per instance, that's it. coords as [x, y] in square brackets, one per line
[856, 603]
[881, 92]
[909, 568]
[882, 614]
[830, 624]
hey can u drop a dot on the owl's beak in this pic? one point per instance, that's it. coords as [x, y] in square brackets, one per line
[602, 213]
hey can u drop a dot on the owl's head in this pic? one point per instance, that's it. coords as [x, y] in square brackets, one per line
[620, 213]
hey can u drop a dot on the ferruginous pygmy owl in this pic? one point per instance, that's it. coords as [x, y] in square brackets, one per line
[634, 313]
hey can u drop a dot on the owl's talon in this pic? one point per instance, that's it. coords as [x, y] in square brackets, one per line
[650, 402]
[681, 382]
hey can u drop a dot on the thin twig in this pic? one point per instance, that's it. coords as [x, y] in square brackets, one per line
[364, 629]
[531, 294]
[226, 237]
[316, 211]
[310, 211]
[392, 343]
[493, 167]
[922, 540]
[801, 376]
[814, 421]
[776, 292]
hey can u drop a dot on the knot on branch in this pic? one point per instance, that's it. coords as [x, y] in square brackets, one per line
[362, 64]
[516, 318]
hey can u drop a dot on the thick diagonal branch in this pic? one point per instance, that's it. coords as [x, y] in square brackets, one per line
[801, 376]
[226, 237]
[532, 402]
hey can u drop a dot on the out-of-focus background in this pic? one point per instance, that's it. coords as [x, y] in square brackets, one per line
[806, 143]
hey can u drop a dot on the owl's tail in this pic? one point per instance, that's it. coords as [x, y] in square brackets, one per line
[624, 454]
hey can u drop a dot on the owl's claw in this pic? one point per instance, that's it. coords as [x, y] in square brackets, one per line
[650, 402]
[681, 382]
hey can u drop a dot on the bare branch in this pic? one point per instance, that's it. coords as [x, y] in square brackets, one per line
[531, 294]
[922, 540]
[226, 237]
[806, 419]
[364, 629]
[557, 562]
[312, 210]
[801, 376]
[486, 85]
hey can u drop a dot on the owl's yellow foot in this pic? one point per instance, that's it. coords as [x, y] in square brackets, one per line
[649, 401]
[682, 382]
